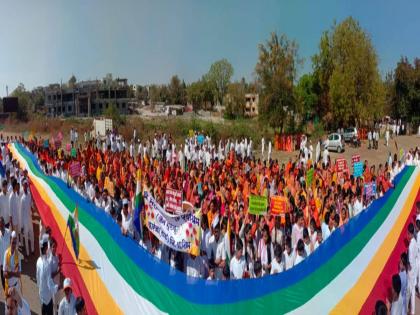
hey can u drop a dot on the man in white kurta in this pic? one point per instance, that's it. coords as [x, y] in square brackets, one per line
[26, 218]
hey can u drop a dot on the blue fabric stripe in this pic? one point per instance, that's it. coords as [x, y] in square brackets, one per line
[219, 292]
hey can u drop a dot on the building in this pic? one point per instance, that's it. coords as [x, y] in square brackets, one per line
[251, 104]
[88, 98]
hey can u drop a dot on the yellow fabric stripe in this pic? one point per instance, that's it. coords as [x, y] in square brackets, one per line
[353, 301]
[104, 302]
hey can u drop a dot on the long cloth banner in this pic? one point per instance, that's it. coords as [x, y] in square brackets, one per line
[179, 232]
[346, 274]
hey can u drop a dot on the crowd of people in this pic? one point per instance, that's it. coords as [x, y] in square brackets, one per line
[216, 177]
[406, 283]
[16, 228]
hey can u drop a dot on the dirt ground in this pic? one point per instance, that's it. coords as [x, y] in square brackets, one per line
[30, 291]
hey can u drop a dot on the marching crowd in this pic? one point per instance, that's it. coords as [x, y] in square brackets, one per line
[218, 178]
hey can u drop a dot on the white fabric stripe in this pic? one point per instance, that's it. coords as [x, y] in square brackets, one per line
[325, 300]
[125, 297]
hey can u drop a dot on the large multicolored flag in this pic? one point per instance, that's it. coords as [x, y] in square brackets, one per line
[73, 225]
[138, 205]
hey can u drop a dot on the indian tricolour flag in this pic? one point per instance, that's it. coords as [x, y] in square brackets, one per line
[73, 225]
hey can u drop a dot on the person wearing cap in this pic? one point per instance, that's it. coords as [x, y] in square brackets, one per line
[47, 287]
[67, 305]
[4, 245]
[26, 218]
[15, 303]
[11, 264]
[127, 220]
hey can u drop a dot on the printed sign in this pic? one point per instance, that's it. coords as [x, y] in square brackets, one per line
[370, 190]
[173, 201]
[309, 177]
[341, 164]
[75, 169]
[179, 232]
[278, 205]
[257, 204]
[355, 158]
[358, 169]
[73, 152]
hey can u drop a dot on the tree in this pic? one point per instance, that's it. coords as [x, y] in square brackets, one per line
[235, 100]
[347, 69]
[307, 98]
[113, 113]
[323, 67]
[25, 102]
[200, 94]
[219, 77]
[72, 81]
[276, 72]
[177, 91]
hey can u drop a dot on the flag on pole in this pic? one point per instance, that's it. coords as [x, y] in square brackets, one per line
[138, 205]
[73, 225]
[227, 242]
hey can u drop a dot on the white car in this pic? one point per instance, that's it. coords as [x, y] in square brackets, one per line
[335, 143]
[350, 134]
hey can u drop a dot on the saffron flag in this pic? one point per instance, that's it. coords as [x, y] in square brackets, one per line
[73, 225]
[138, 205]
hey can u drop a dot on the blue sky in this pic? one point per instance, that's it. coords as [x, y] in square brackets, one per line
[44, 41]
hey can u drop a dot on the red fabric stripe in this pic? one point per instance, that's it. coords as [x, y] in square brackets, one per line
[382, 288]
[69, 266]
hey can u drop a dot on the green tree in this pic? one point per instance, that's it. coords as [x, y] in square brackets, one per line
[307, 98]
[276, 72]
[200, 94]
[25, 102]
[113, 113]
[177, 91]
[355, 90]
[235, 100]
[406, 89]
[72, 81]
[219, 77]
[323, 66]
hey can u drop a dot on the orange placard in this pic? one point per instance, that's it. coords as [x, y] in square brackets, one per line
[278, 205]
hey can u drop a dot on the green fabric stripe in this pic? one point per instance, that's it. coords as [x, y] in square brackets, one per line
[278, 302]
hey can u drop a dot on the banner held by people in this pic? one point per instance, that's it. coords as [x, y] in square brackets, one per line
[257, 204]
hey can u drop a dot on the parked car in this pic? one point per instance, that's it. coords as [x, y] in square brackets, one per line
[335, 142]
[350, 134]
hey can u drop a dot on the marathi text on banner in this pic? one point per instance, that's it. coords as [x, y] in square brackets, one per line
[370, 190]
[75, 169]
[358, 169]
[278, 205]
[355, 158]
[257, 204]
[179, 232]
[173, 200]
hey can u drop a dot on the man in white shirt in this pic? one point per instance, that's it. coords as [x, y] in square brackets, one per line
[16, 304]
[194, 266]
[127, 220]
[14, 205]
[358, 205]
[4, 203]
[4, 245]
[397, 301]
[26, 218]
[301, 255]
[47, 287]
[11, 264]
[67, 304]
[217, 251]
[277, 264]
[325, 226]
[237, 263]
[412, 259]
[288, 255]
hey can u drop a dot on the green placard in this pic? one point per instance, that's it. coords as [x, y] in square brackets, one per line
[257, 205]
[309, 177]
[73, 152]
